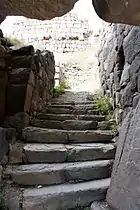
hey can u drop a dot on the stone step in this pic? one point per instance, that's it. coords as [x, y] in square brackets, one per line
[62, 117]
[74, 111]
[65, 125]
[106, 125]
[72, 106]
[57, 153]
[57, 173]
[53, 102]
[65, 196]
[43, 135]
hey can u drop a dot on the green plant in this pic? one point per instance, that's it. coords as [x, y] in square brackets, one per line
[59, 90]
[3, 205]
[64, 83]
[103, 103]
[113, 128]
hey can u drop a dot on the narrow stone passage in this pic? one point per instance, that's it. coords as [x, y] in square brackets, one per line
[66, 157]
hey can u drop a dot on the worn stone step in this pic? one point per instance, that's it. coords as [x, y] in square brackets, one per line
[62, 117]
[73, 106]
[49, 174]
[43, 135]
[106, 125]
[65, 196]
[53, 102]
[90, 136]
[75, 111]
[57, 153]
[65, 125]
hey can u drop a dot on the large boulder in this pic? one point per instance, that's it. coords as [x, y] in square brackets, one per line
[43, 9]
[124, 192]
[120, 11]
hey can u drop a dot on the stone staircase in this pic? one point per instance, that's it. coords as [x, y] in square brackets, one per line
[67, 158]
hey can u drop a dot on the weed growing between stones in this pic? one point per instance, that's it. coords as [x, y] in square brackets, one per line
[113, 128]
[58, 90]
[104, 107]
[103, 104]
[64, 84]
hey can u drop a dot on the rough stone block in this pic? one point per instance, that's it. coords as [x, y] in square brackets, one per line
[2, 64]
[1, 169]
[10, 134]
[15, 153]
[22, 51]
[19, 121]
[28, 98]
[19, 76]
[15, 98]
[21, 62]
[3, 85]
[131, 44]
[3, 144]
[126, 96]
[33, 134]
[45, 153]
[125, 177]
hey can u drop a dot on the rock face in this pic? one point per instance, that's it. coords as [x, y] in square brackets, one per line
[125, 178]
[119, 61]
[35, 9]
[126, 11]
[119, 66]
[108, 10]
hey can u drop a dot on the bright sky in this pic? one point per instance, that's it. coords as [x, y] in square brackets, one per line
[85, 9]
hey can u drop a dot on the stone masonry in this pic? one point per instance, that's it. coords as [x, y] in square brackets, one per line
[26, 80]
[66, 34]
[30, 84]
[119, 63]
[119, 66]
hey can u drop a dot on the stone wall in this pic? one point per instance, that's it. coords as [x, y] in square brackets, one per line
[119, 62]
[66, 34]
[119, 66]
[26, 81]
